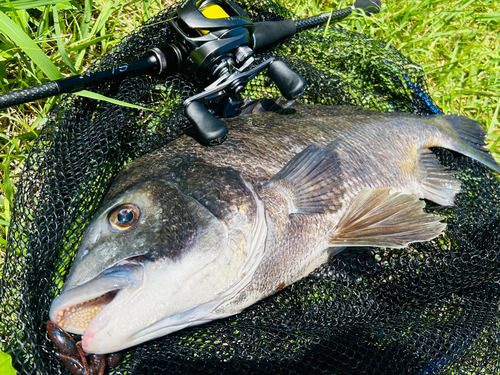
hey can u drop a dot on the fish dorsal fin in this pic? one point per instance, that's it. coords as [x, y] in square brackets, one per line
[438, 185]
[378, 218]
[311, 181]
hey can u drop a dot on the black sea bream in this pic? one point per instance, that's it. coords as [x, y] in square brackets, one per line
[189, 233]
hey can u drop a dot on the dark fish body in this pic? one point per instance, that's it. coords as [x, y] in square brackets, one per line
[189, 233]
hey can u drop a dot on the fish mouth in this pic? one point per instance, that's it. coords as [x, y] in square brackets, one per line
[80, 315]
[78, 306]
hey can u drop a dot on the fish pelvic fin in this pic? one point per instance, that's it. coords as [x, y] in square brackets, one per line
[439, 185]
[378, 218]
[468, 138]
[311, 181]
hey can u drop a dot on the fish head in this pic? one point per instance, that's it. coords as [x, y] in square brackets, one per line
[160, 254]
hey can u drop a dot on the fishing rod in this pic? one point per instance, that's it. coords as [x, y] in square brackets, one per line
[215, 52]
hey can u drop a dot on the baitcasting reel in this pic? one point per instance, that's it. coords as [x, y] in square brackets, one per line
[216, 52]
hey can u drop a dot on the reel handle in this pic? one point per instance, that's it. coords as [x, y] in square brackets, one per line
[291, 84]
[210, 130]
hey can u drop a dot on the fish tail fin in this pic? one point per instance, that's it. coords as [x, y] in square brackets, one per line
[468, 138]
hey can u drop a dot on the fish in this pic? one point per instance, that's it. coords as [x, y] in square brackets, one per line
[189, 234]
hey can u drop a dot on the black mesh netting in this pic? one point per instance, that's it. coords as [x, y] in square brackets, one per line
[432, 308]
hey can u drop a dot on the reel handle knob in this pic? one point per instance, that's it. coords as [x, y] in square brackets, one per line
[290, 83]
[209, 129]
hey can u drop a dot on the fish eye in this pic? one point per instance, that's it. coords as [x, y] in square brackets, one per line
[124, 216]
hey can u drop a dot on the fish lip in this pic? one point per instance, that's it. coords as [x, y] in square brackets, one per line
[127, 274]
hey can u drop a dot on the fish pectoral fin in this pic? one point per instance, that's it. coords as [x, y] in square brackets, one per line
[378, 218]
[311, 181]
[438, 185]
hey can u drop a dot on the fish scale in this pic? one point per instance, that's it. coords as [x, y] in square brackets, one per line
[209, 231]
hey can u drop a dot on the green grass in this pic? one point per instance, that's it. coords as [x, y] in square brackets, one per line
[456, 42]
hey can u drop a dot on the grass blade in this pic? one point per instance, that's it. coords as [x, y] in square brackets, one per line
[93, 95]
[87, 14]
[27, 4]
[60, 44]
[6, 364]
[30, 48]
[104, 16]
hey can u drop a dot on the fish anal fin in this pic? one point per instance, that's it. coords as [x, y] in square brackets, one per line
[378, 218]
[311, 181]
[439, 185]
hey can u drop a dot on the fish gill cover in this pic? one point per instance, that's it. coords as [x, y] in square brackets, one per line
[431, 308]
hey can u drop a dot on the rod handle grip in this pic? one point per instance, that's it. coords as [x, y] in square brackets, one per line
[28, 95]
[268, 34]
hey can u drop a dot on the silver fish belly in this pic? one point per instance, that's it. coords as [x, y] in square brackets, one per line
[189, 234]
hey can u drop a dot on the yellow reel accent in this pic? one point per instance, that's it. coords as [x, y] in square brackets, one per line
[212, 11]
